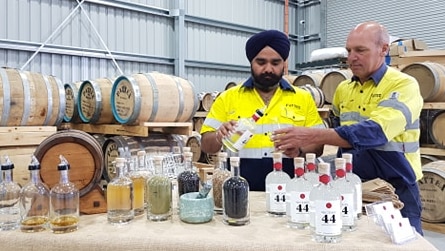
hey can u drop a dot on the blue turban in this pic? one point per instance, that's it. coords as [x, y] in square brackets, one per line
[273, 38]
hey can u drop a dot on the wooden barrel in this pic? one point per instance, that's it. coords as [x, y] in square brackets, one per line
[194, 142]
[230, 85]
[290, 78]
[425, 159]
[155, 144]
[432, 191]
[205, 101]
[197, 124]
[30, 99]
[94, 105]
[432, 122]
[437, 129]
[431, 79]
[71, 95]
[81, 150]
[153, 97]
[316, 93]
[309, 78]
[331, 80]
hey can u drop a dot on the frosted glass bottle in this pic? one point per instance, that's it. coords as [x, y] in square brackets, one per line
[34, 198]
[64, 202]
[9, 198]
[347, 192]
[120, 196]
[244, 130]
[355, 179]
[159, 193]
[188, 180]
[297, 197]
[325, 209]
[220, 174]
[236, 209]
[276, 182]
[311, 169]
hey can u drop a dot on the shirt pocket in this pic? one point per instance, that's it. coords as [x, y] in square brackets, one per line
[293, 117]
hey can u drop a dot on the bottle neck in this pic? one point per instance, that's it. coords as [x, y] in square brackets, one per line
[7, 175]
[277, 166]
[64, 178]
[188, 164]
[35, 176]
[158, 168]
[299, 171]
[236, 170]
[310, 167]
[349, 167]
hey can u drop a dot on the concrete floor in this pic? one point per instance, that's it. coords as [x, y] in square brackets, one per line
[435, 238]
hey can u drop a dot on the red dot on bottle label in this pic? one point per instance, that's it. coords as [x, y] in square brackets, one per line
[348, 167]
[277, 166]
[328, 205]
[340, 173]
[280, 188]
[342, 197]
[299, 172]
[324, 179]
[311, 166]
[302, 196]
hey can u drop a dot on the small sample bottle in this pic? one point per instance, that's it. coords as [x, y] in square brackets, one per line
[159, 193]
[188, 180]
[276, 182]
[236, 209]
[34, 198]
[297, 197]
[220, 174]
[139, 177]
[347, 192]
[355, 179]
[64, 202]
[311, 169]
[9, 198]
[120, 196]
[243, 132]
[325, 209]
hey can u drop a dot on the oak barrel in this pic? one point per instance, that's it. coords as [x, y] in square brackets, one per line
[316, 93]
[71, 95]
[431, 79]
[331, 80]
[432, 191]
[309, 78]
[94, 104]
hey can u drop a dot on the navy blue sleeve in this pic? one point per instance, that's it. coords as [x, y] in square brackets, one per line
[363, 135]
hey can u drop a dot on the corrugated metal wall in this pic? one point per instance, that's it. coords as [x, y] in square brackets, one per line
[404, 18]
[200, 40]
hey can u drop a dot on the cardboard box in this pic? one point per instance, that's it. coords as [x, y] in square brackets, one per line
[401, 46]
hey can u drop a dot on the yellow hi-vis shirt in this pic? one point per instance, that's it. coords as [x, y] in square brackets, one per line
[290, 106]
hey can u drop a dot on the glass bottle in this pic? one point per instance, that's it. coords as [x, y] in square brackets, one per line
[188, 180]
[347, 192]
[159, 193]
[355, 179]
[244, 130]
[236, 209]
[311, 169]
[120, 196]
[139, 177]
[276, 182]
[325, 209]
[34, 198]
[297, 197]
[64, 202]
[220, 174]
[9, 198]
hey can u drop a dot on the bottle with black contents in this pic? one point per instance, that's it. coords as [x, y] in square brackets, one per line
[188, 180]
[236, 209]
[34, 198]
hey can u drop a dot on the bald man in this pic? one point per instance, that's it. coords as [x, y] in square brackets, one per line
[283, 104]
[378, 112]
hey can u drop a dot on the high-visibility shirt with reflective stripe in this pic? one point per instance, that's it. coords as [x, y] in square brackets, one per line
[290, 106]
[381, 122]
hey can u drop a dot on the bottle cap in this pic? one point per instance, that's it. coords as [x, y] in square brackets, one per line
[347, 157]
[310, 157]
[324, 168]
[141, 153]
[298, 161]
[277, 155]
[222, 155]
[8, 165]
[63, 165]
[340, 163]
[34, 165]
[186, 149]
[158, 158]
[234, 160]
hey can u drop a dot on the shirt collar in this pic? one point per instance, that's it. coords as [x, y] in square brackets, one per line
[284, 85]
[376, 76]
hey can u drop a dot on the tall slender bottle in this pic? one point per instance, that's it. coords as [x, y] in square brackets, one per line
[34, 198]
[276, 182]
[120, 196]
[325, 209]
[347, 192]
[220, 174]
[9, 198]
[297, 197]
[64, 202]
[244, 130]
[236, 209]
[139, 177]
[311, 169]
[355, 179]
[159, 193]
[188, 180]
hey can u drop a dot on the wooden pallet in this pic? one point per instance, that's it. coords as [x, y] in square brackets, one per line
[142, 130]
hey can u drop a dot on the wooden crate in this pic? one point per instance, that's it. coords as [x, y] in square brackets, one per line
[19, 144]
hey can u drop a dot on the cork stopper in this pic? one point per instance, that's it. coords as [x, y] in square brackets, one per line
[298, 161]
[340, 163]
[324, 168]
[141, 153]
[347, 157]
[310, 157]
[234, 161]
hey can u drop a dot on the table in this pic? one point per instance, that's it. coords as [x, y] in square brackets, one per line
[263, 233]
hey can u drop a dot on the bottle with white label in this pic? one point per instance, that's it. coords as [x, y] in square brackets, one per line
[355, 179]
[311, 169]
[347, 192]
[297, 197]
[244, 130]
[325, 209]
[276, 182]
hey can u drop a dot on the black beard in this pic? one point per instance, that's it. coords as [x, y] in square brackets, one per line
[266, 82]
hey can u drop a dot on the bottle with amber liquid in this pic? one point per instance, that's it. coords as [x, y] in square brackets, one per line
[120, 196]
[64, 202]
[9, 198]
[34, 198]
[220, 174]
[159, 193]
[139, 177]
